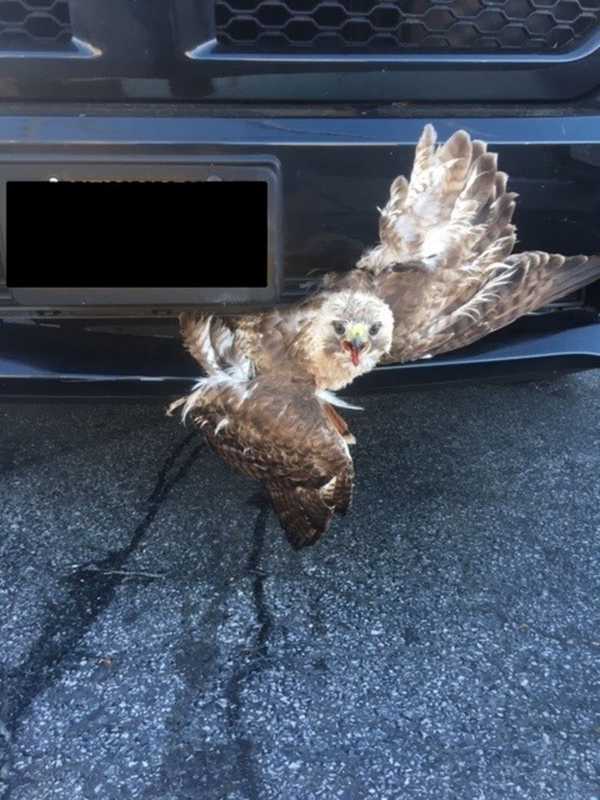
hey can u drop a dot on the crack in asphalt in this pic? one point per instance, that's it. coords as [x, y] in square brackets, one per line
[90, 590]
[256, 655]
[232, 765]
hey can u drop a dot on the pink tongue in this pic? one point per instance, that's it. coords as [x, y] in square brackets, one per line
[355, 356]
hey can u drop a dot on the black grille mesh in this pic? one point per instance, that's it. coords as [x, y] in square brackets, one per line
[35, 25]
[392, 25]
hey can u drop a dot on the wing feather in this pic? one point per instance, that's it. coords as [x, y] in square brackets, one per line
[450, 313]
[454, 207]
[444, 263]
[523, 283]
[276, 431]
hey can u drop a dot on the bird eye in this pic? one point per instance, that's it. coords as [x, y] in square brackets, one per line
[339, 328]
[374, 329]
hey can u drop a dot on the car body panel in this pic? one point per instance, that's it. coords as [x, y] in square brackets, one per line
[40, 361]
[166, 50]
[335, 172]
[146, 84]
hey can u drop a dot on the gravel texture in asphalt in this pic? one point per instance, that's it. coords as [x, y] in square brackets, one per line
[161, 641]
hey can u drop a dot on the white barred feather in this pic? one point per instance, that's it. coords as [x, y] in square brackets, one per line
[434, 218]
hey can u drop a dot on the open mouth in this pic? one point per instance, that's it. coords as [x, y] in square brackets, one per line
[355, 349]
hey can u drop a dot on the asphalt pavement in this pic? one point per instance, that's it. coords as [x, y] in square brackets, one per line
[160, 640]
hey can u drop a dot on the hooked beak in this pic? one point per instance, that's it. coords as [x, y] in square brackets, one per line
[355, 346]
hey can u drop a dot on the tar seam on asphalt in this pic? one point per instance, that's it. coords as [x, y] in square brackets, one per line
[90, 591]
[257, 654]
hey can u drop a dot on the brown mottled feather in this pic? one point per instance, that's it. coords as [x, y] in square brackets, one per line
[280, 435]
[438, 312]
[472, 285]
[444, 267]
[524, 283]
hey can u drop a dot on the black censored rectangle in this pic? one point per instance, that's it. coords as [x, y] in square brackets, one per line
[137, 234]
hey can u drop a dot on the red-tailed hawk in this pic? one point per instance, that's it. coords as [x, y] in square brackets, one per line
[442, 276]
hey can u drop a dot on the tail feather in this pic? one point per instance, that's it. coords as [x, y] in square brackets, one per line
[303, 513]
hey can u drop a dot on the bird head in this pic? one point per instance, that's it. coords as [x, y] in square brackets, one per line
[354, 337]
[354, 331]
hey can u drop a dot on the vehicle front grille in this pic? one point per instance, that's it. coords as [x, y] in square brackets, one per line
[34, 25]
[405, 25]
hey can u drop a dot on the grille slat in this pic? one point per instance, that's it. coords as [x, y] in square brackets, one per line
[35, 25]
[405, 25]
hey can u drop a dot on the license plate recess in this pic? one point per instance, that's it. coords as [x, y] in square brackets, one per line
[195, 231]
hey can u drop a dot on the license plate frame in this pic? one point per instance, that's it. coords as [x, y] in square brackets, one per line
[168, 169]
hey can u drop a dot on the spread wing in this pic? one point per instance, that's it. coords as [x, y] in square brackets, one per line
[279, 433]
[444, 263]
[453, 210]
[455, 315]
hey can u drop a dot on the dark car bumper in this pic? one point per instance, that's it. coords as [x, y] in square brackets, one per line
[46, 363]
[335, 167]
